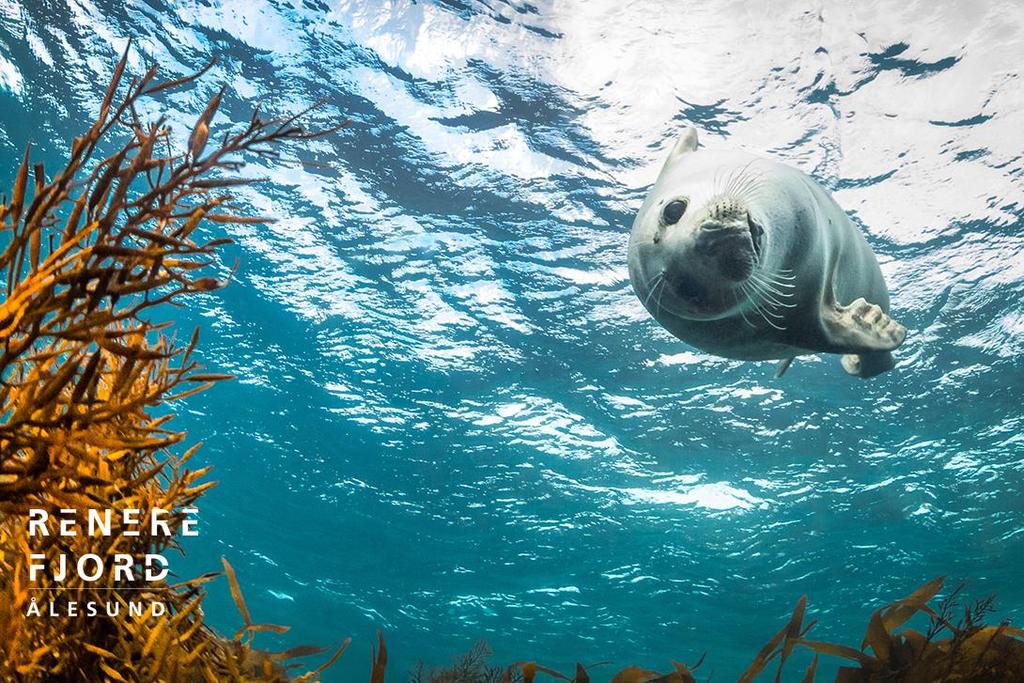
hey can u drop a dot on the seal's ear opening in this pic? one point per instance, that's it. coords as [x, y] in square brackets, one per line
[687, 142]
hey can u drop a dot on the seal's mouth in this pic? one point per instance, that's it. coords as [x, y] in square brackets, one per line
[689, 289]
[691, 298]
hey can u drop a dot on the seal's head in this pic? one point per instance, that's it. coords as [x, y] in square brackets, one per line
[697, 238]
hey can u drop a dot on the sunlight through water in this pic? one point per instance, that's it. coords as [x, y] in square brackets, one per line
[454, 419]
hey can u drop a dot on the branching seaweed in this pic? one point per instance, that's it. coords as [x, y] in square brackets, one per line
[971, 651]
[84, 372]
[472, 667]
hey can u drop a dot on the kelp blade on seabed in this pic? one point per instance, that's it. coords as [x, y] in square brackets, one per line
[86, 257]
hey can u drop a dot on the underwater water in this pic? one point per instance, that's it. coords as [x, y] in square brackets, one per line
[453, 418]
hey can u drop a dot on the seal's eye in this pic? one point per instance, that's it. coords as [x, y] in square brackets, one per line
[673, 211]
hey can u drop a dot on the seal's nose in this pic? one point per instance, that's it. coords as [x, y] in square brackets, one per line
[729, 246]
[715, 236]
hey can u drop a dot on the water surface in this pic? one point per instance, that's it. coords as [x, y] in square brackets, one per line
[454, 420]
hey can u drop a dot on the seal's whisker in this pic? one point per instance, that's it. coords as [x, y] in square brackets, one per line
[750, 195]
[766, 309]
[745, 179]
[735, 185]
[664, 286]
[741, 185]
[774, 324]
[655, 277]
[733, 177]
[767, 304]
[770, 300]
[750, 187]
[752, 191]
[784, 274]
[651, 291]
[743, 313]
[764, 317]
[771, 297]
[766, 298]
[739, 177]
[777, 283]
[781, 289]
[760, 305]
[731, 180]
[769, 287]
[748, 198]
[782, 286]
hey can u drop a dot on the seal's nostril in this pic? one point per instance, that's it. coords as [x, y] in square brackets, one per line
[755, 228]
[756, 234]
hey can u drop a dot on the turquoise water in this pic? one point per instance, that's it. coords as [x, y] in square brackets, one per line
[454, 420]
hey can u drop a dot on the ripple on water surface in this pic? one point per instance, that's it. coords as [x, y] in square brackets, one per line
[453, 418]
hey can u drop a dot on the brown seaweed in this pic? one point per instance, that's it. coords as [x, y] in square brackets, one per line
[86, 375]
[970, 651]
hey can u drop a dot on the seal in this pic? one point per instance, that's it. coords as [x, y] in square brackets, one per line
[747, 258]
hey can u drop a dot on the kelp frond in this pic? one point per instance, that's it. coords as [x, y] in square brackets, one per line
[86, 375]
[967, 651]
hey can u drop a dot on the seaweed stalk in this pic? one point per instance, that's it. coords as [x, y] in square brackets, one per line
[86, 375]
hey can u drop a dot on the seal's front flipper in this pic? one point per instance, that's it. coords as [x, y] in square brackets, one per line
[862, 326]
[869, 364]
[783, 365]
